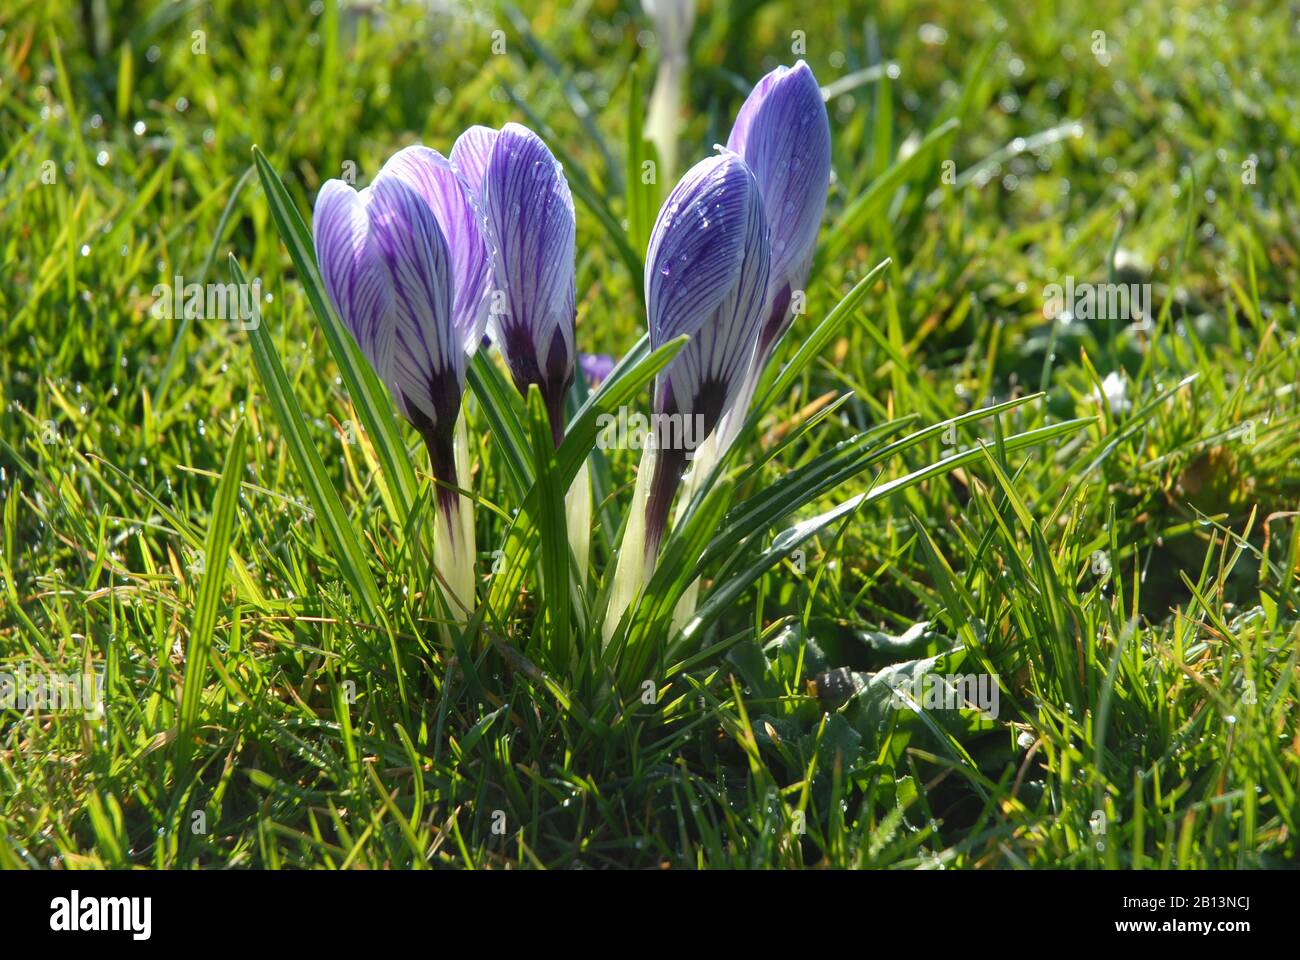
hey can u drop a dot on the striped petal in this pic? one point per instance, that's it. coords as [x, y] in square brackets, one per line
[470, 155]
[706, 275]
[353, 273]
[784, 135]
[532, 225]
[435, 179]
[428, 369]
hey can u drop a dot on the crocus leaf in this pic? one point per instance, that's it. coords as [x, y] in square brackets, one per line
[501, 405]
[551, 522]
[624, 383]
[725, 594]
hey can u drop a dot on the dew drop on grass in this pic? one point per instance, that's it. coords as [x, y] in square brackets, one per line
[138, 128]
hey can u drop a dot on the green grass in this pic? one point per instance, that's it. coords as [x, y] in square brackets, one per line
[223, 521]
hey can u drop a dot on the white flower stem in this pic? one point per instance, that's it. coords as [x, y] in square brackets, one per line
[663, 120]
[453, 538]
[706, 455]
[577, 508]
[634, 565]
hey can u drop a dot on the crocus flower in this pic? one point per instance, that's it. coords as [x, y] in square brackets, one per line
[529, 215]
[406, 266]
[706, 277]
[783, 134]
[529, 218]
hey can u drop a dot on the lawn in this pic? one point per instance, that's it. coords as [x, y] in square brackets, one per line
[997, 574]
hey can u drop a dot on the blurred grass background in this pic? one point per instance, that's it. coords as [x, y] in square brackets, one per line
[1153, 142]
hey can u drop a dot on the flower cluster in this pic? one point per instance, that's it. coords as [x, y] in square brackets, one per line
[438, 250]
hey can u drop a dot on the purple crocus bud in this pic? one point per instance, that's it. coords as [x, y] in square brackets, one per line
[706, 277]
[407, 269]
[531, 225]
[457, 211]
[783, 134]
[596, 367]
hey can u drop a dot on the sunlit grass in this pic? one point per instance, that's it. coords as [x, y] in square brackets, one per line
[929, 449]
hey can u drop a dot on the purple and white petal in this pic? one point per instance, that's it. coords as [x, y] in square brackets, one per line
[353, 273]
[696, 247]
[428, 366]
[435, 179]
[783, 133]
[532, 225]
[470, 155]
[706, 277]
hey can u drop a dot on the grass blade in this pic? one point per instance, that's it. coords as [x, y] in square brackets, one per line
[324, 498]
[216, 550]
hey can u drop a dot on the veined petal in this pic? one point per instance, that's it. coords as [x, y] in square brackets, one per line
[784, 135]
[706, 276]
[532, 225]
[436, 180]
[428, 367]
[353, 272]
[470, 155]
